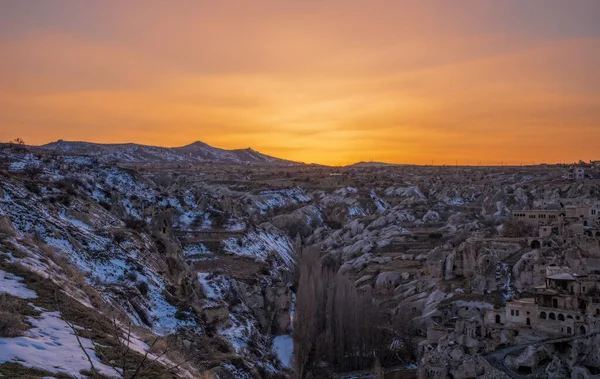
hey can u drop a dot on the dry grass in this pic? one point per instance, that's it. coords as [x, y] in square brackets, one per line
[12, 316]
[11, 325]
[68, 269]
[99, 326]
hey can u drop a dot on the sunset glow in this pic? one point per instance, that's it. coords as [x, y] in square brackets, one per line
[325, 81]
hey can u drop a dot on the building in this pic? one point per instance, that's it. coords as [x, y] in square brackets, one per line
[577, 218]
[579, 171]
[567, 304]
[538, 217]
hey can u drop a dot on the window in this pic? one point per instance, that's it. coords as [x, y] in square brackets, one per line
[543, 315]
[512, 312]
[517, 313]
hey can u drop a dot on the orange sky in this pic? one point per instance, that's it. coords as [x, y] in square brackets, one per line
[327, 81]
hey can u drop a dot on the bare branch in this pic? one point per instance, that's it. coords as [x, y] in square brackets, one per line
[74, 332]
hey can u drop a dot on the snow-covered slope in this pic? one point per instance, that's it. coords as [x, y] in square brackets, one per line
[135, 153]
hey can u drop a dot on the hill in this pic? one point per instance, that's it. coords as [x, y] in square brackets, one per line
[136, 153]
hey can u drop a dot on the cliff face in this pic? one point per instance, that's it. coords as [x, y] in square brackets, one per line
[118, 235]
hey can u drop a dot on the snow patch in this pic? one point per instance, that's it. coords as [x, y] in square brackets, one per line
[52, 346]
[283, 346]
[11, 284]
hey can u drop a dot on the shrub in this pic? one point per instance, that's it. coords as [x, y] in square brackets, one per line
[134, 223]
[33, 188]
[119, 237]
[105, 205]
[65, 200]
[32, 171]
[143, 288]
[11, 325]
[131, 276]
[11, 316]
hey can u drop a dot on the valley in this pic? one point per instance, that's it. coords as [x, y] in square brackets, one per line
[157, 264]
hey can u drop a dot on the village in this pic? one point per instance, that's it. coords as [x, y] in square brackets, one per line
[550, 296]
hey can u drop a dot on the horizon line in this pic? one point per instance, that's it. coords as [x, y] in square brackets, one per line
[499, 163]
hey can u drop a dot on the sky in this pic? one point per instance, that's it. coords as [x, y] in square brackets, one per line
[325, 81]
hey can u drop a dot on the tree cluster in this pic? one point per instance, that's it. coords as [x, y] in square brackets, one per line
[335, 322]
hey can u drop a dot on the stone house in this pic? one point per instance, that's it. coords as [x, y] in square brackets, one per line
[567, 304]
[574, 219]
[579, 171]
[538, 217]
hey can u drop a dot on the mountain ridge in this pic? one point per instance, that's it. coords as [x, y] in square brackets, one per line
[195, 152]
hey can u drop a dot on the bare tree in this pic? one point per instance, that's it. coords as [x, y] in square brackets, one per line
[334, 321]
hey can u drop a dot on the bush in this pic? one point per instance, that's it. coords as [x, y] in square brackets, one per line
[11, 325]
[134, 223]
[32, 171]
[119, 237]
[105, 205]
[33, 188]
[11, 317]
[219, 220]
[143, 288]
[65, 200]
[131, 276]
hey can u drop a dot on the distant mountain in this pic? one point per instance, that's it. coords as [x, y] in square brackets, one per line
[373, 164]
[135, 153]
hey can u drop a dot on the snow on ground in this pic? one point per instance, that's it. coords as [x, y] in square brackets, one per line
[280, 198]
[190, 217]
[260, 245]
[215, 286]
[136, 344]
[239, 333]
[504, 280]
[51, 345]
[236, 224]
[11, 284]
[283, 346]
[356, 212]
[75, 223]
[346, 191]
[197, 252]
[381, 204]
[238, 374]
[405, 192]
[456, 201]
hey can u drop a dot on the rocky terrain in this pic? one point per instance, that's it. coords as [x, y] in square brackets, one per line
[121, 261]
